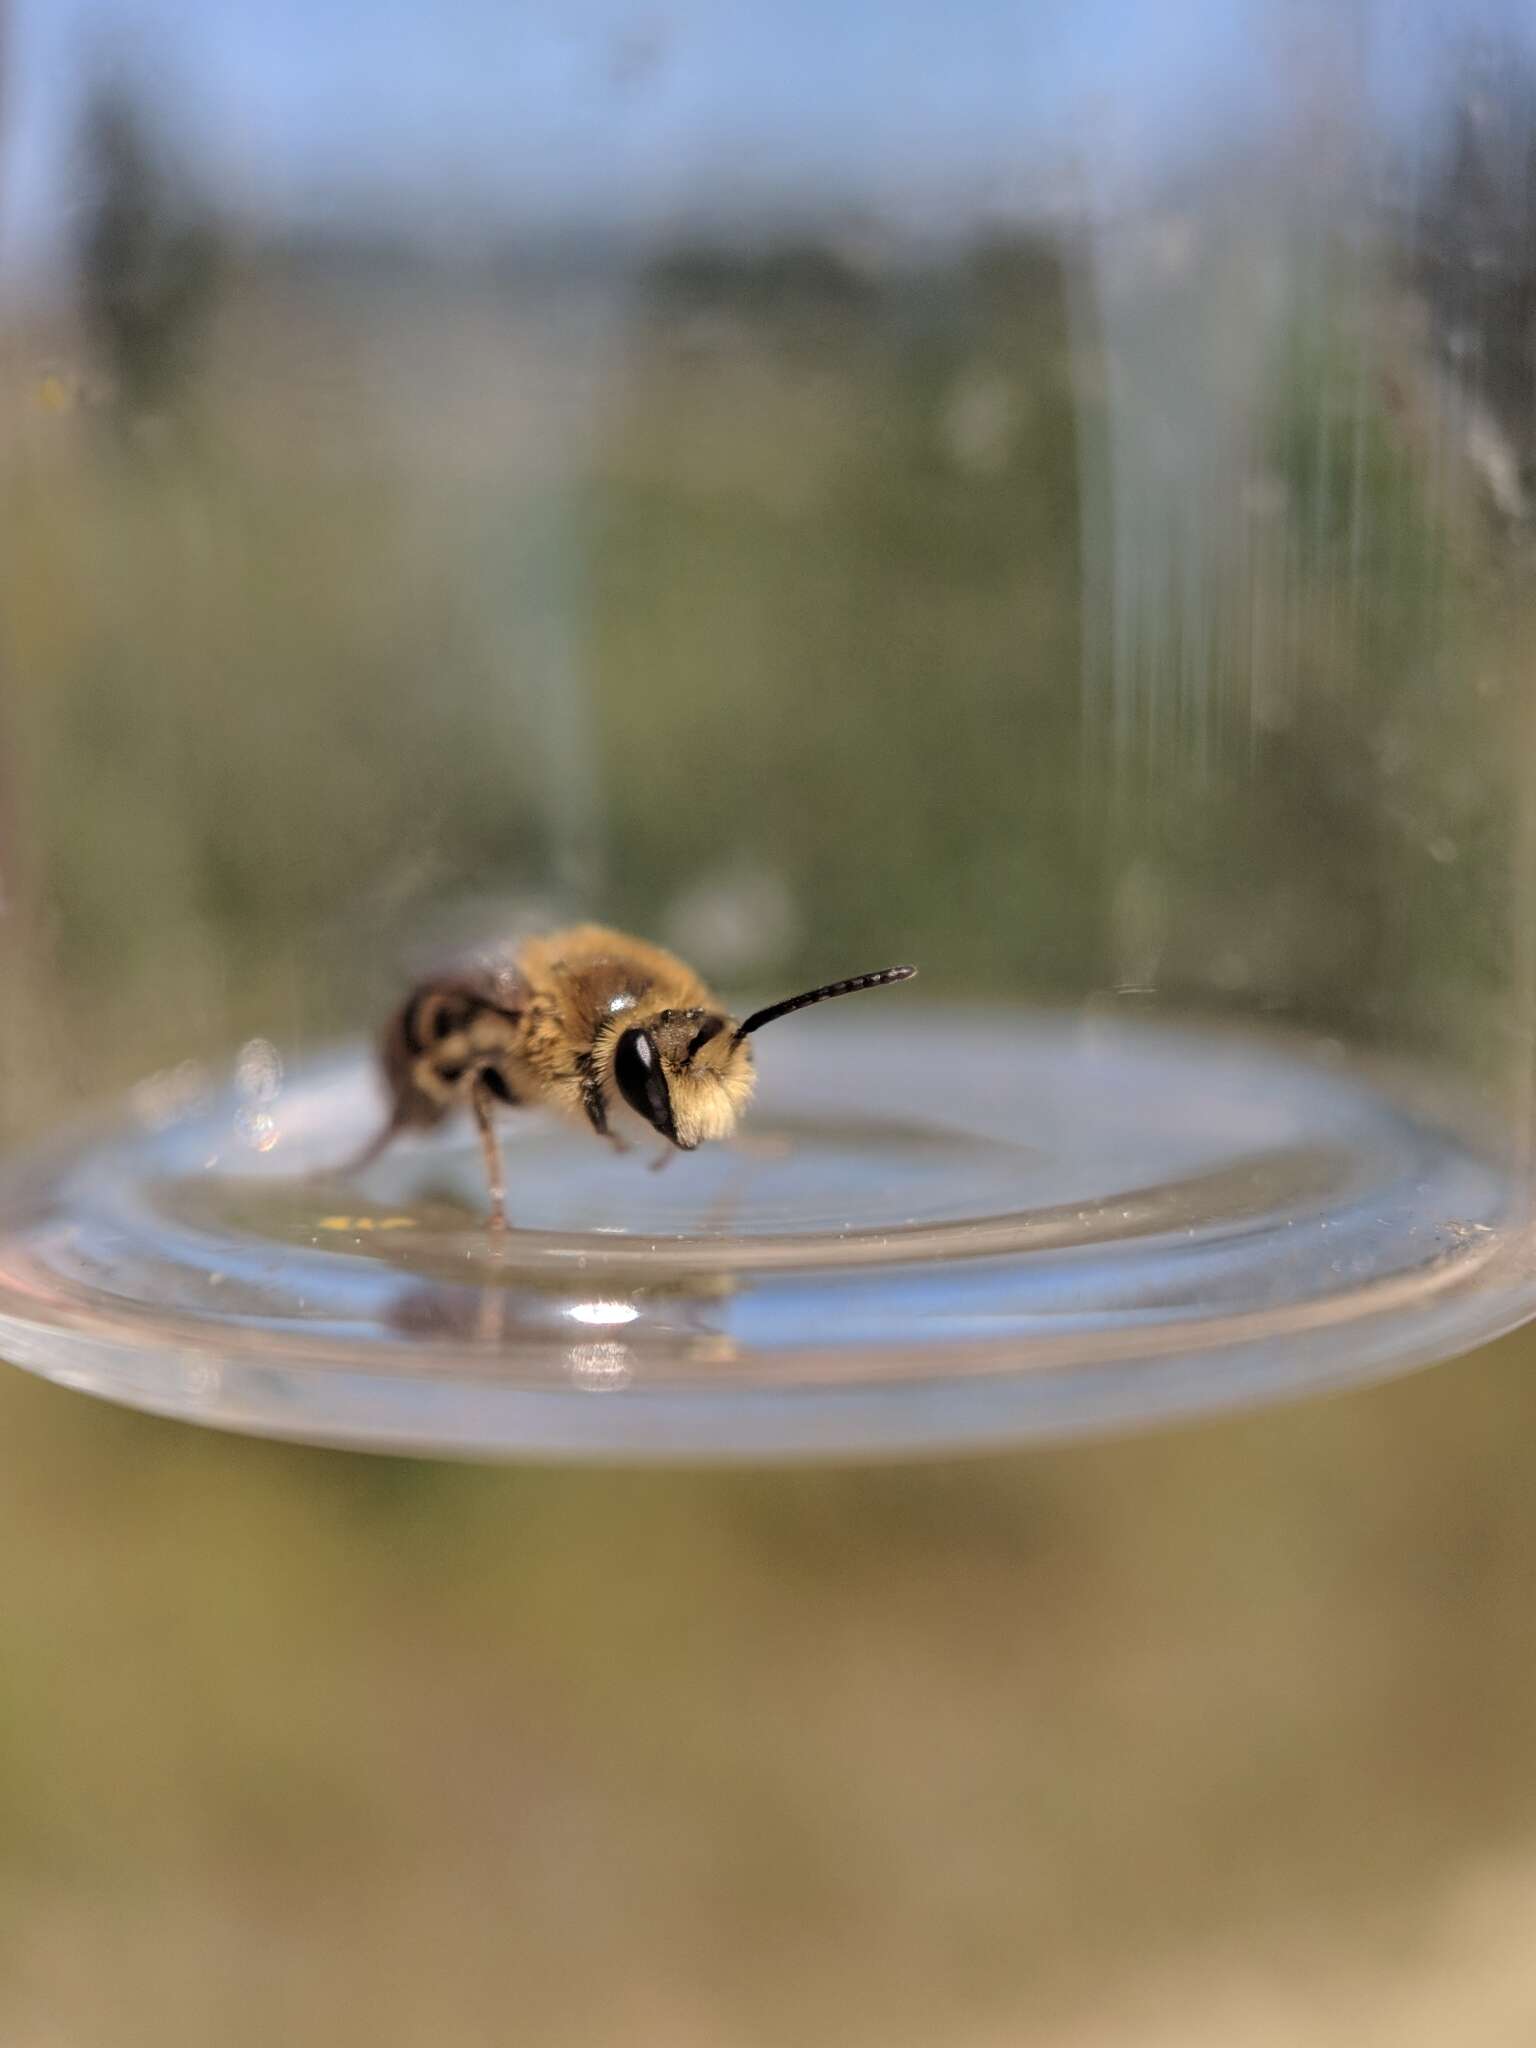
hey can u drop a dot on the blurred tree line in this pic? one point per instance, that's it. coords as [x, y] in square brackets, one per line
[1475, 244]
[149, 257]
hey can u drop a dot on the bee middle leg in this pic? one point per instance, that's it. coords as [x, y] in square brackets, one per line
[480, 1101]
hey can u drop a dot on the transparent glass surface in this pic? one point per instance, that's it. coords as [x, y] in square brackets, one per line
[1043, 493]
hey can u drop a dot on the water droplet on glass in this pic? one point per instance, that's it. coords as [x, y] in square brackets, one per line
[259, 1070]
[256, 1128]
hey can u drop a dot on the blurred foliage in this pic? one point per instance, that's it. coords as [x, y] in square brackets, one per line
[835, 619]
[534, 580]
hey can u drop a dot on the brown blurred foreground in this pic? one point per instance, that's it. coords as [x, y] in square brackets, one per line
[1225, 1735]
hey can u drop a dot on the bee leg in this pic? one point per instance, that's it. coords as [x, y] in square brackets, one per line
[663, 1159]
[620, 1145]
[593, 1106]
[480, 1099]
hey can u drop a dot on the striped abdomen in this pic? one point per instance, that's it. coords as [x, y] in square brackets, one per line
[445, 1035]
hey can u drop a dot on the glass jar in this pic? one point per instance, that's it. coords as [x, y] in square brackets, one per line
[1042, 494]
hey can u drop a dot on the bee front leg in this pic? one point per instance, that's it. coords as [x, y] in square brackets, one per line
[595, 1109]
[480, 1099]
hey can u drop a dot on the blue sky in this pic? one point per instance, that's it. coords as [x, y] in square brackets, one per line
[504, 110]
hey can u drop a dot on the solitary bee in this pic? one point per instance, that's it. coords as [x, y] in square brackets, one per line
[588, 1022]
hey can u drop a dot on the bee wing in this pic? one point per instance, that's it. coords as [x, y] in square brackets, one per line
[474, 937]
[491, 981]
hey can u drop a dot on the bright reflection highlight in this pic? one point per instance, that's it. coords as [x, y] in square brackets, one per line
[603, 1313]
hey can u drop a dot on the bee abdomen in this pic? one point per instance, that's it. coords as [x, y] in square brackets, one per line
[430, 1015]
[441, 1035]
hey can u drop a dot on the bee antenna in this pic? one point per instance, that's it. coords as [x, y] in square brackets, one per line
[820, 995]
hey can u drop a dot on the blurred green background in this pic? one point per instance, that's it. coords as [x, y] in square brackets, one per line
[1087, 617]
[1219, 1736]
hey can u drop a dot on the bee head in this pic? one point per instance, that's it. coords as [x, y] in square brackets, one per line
[689, 1073]
[685, 1073]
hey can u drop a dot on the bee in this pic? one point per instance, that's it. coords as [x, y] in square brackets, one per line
[606, 1029]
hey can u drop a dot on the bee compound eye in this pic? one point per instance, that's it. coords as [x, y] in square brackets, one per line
[638, 1076]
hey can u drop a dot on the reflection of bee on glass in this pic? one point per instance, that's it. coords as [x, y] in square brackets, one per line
[589, 1022]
